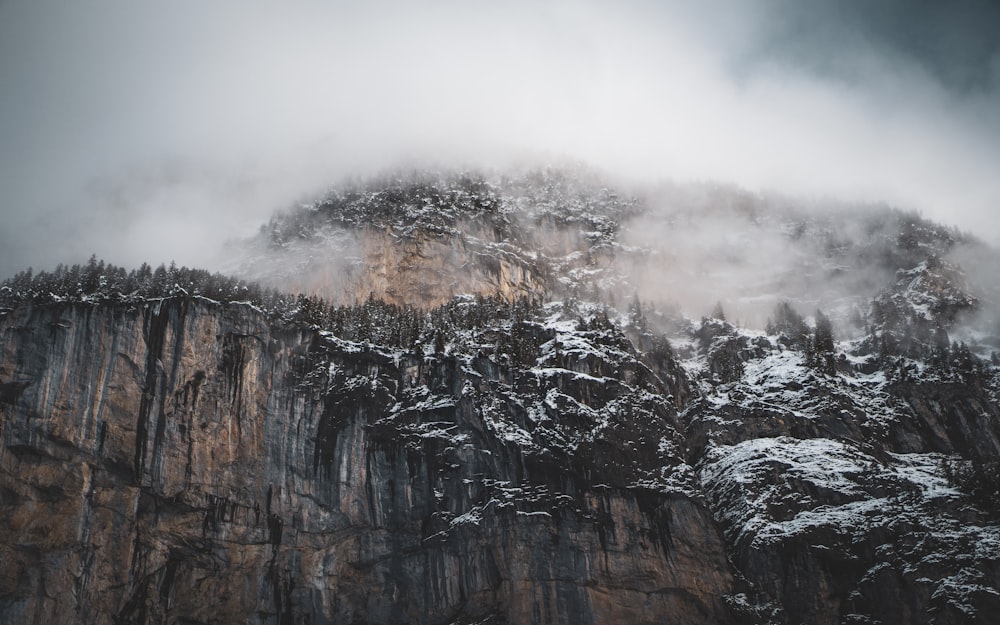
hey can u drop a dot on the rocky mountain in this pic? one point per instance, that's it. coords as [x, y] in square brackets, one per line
[421, 238]
[485, 407]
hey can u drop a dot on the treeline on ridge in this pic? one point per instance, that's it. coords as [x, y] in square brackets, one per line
[374, 320]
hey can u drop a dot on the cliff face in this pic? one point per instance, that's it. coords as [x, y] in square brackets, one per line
[423, 269]
[169, 458]
[186, 461]
[421, 240]
[832, 488]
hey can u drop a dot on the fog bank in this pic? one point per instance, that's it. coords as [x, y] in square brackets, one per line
[151, 133]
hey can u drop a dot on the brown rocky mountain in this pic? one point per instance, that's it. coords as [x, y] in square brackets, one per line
[181, 449]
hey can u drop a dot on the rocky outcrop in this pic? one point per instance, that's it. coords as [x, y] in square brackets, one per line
[187, 461]
[422, 268]
[833, 488]
[420, 239]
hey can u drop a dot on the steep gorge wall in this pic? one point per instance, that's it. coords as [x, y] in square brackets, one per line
[185, 461]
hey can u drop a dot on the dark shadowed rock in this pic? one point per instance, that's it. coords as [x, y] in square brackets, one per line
[185, 461]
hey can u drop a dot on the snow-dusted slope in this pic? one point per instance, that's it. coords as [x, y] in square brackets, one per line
[518, 424]
[835, 488]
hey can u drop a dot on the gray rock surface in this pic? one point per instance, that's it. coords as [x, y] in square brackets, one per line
[184, 461]
[181, 460]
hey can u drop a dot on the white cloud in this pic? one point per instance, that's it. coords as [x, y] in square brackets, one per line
[262, 104]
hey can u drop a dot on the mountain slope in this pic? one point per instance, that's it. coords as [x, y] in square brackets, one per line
[441, 450]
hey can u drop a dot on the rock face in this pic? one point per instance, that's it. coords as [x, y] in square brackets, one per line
[186, 461]
[169, 458]
[420, 239]
[833, 491]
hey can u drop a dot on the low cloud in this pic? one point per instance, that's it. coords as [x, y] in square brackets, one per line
[148, 133]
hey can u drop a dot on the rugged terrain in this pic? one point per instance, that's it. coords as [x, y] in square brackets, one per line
[492, 427]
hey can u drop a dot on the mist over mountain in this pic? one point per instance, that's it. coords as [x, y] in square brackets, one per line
[457, 397]
[421, 238]
[155, 133]
[463, 313]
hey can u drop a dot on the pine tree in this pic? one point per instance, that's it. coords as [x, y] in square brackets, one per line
[718, 313]
[789, 325]
[823, 338]
[819, 352]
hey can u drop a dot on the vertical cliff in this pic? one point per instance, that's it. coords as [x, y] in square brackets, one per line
[188, 461]
[488, 438]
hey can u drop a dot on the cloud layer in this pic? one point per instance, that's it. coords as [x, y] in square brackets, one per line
[151, 133]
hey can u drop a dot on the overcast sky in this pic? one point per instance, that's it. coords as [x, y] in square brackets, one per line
[153, 131]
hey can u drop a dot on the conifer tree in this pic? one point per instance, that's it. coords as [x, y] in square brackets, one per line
[823, 337]
[718, 313]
